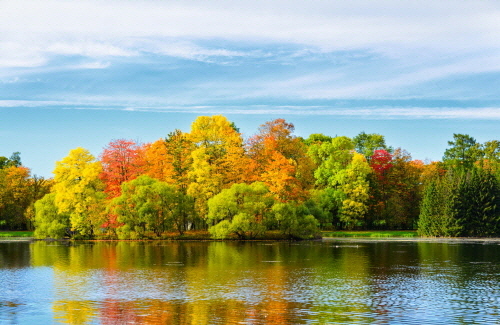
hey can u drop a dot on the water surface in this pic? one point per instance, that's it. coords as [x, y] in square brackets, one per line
[329, 282]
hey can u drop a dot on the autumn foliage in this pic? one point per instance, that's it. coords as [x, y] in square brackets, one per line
[211, 178]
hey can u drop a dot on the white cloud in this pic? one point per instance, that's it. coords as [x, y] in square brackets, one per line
[389, 25]
[136, 104]
[411, 42]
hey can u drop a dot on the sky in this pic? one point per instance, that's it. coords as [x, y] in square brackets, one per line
[83, 73]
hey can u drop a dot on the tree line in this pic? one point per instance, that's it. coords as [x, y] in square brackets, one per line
[210, 178]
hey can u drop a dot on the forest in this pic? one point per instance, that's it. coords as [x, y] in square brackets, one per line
[212, 179]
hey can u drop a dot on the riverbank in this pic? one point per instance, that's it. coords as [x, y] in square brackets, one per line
[339, 236]
[370, 234]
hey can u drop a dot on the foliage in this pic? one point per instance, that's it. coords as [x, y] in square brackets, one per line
[343, 173]
[395, 190]
[240, 210]
[14, 196]
[367, 144]
[147, 204]
[218, 159]
[13, 161]
[464, 152]
[461, 204]
[295, 221]
[280, 160]
[121, 160]
[79, 191]
[274, 181]
[48, 221]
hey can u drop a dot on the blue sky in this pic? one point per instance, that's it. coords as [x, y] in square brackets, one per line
[82, 73]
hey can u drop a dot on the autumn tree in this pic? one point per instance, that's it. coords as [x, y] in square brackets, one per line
[280, 160]
[170, 159]
[491, 158]
[14, 196]
[38, 187]
[395, 190]
[122, 160]
[218, 159]
[79, 191]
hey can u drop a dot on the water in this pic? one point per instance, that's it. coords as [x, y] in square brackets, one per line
[329, 282]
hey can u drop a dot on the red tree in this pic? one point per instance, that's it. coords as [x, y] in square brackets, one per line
[122, 160]
[381, 163]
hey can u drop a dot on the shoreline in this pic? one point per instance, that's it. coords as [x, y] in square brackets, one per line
[416, 239]
[493, 240]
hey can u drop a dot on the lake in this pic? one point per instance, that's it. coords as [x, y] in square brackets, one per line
[317, 282]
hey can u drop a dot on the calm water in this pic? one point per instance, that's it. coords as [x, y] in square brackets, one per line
[330, 282]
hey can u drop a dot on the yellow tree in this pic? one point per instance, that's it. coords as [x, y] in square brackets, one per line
[14, 196]
[79, 191]
[354, 184]
[218, 158]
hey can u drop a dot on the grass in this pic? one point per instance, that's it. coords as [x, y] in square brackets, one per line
[371, 233]
[16, 233]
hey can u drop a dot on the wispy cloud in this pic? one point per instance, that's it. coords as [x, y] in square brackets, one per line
[192, 55]
[348, 111]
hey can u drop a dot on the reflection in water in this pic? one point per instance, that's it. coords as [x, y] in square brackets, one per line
[249, 283]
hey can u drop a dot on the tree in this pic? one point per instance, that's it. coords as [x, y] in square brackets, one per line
[317, 138]
[395, 190]
[353, 182]
[295, 220]
[464, 152]
[48, 221]
[240, 210]
[491, 159]
[38, 187]
[280, 160]
[343, 174]
[14, 196]
[13, 161]
[79, 191]
[366, 144]
[147, 204]
[122, 160]
[462, 203]
[170, 159]
[218, 159]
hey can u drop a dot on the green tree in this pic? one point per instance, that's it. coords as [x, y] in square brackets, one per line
[295, 220]
[48, 221]
[345, 173]
[13, 161]
[240, 210]
[367, 143]
[464, 152]
[461, 204]
[147, 204]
